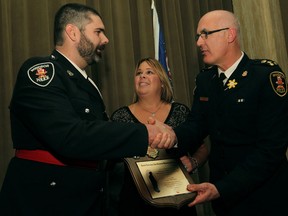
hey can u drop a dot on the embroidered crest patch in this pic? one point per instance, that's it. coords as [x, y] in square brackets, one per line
[41, 74]
[279, 83]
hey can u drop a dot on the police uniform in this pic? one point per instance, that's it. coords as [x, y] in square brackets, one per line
[247, 124]
[61, 136]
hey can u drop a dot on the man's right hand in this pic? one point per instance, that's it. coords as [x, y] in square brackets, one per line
[161, 136]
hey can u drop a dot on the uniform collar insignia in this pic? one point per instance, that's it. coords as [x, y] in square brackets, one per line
[232, 84]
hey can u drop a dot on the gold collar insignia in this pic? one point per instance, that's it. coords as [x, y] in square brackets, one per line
[232, 84]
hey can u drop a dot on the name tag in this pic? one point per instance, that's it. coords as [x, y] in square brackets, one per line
[204, 99]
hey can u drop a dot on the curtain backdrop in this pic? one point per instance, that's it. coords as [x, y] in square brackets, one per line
[284, 15]
[265, 36]
[27, 30]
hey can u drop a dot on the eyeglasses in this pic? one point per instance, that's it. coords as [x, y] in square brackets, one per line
[204, 34]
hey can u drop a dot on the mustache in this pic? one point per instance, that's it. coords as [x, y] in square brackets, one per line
[101, 47]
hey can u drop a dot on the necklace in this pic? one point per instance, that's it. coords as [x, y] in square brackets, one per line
[152, 113]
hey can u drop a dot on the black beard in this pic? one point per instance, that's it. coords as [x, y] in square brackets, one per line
[87, 51]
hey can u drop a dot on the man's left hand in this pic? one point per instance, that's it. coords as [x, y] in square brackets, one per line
[205, 192]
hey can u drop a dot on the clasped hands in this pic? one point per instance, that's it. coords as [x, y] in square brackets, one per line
[161, 136]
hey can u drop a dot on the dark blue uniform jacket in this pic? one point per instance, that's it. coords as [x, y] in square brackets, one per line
[247, 125]
[54, 108]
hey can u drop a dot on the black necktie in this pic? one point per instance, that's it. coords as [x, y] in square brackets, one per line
[220, 79]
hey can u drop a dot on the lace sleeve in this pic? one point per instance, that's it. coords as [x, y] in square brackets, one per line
[122, 114]
[177, 115]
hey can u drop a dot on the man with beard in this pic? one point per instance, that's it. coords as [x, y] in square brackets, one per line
[60, 129]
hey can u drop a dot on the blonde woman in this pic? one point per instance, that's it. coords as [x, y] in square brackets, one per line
[153, 98]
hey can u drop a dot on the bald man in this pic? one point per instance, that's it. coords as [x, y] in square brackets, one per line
[245, 115]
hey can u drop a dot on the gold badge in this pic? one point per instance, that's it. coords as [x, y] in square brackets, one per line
[232, 84]
[278, 82]
[152, 153]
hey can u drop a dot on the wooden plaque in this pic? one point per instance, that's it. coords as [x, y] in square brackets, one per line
[162, 181]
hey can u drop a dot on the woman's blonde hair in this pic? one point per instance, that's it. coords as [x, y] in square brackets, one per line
[166, 88]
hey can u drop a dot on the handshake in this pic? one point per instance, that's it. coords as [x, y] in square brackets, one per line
[161, 136]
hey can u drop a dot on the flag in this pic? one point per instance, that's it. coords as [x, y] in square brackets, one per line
[159, 42]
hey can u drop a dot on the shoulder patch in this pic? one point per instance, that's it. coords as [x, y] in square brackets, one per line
[41, 74]
[279, 83]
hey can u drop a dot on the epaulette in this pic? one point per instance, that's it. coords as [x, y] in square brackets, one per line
[265, 62]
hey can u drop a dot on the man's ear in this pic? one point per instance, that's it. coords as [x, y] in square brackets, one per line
[72, 32]
[232, 34]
